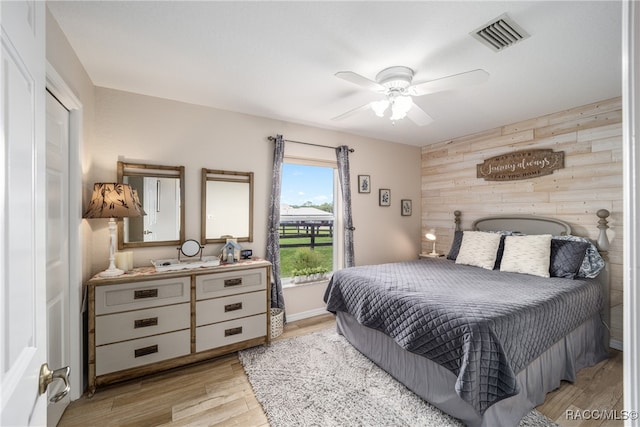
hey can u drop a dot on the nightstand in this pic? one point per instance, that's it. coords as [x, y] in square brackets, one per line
[429, 255]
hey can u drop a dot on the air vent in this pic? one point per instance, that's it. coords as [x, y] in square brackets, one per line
[500, 33]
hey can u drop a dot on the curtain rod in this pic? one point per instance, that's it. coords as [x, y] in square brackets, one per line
[273, 138]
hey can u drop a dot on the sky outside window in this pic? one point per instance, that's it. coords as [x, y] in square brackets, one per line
[303, 184]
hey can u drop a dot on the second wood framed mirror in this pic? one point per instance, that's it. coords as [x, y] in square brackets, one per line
[227, 206]
[160, 190]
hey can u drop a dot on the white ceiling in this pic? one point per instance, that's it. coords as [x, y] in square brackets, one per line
[278, 59]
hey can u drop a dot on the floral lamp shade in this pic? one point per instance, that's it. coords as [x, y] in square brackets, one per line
[112, 200]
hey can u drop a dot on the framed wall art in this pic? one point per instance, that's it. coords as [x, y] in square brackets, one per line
[405, 207]
[385, 197]
[364, 184]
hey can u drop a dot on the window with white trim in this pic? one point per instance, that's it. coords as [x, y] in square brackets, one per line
[309, 244]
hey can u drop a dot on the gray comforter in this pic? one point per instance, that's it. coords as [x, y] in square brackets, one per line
[484, 326]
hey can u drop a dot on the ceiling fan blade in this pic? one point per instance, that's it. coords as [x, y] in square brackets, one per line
[359, 80]
[450, 82]
[352, 112]
[418, 116]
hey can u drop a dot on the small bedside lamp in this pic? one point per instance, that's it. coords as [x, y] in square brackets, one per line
[431, 235]
[111, 200]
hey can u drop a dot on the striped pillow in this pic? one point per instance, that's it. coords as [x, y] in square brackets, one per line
[479, 249]
[527, 254]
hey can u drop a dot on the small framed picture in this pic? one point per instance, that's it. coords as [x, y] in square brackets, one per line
[385, 197]
[364, 184]
[405, 207]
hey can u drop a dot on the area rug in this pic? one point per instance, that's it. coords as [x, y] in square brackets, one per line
[321, 380]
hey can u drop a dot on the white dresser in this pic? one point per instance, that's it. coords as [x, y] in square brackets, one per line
[144, 321]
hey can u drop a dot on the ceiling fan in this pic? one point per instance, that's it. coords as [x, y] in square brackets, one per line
[396, 84]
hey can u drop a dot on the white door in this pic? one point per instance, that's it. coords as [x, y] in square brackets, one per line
[150, 200]
[58, 351]
[23, 325]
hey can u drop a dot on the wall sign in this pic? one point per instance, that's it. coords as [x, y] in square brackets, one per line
[521, 165]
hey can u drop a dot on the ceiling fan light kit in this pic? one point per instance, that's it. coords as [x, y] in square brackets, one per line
[379, 107]
[395, 81]
[400, 106]
[396, 84]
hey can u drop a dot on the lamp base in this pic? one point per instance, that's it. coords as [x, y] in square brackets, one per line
[112, 272]
[430, 255]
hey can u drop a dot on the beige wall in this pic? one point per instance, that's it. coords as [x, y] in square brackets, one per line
[145, 129]
[590, 136]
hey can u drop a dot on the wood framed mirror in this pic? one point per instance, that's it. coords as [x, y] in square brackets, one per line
[160, 190]
[227, 206]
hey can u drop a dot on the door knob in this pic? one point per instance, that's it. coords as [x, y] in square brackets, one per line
[47, 376]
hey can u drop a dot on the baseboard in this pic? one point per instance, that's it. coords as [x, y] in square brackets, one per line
[306, 314]
[617, 344]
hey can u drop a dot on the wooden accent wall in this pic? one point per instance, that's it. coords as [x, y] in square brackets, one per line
[590, 136]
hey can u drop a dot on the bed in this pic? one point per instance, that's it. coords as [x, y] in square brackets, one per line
[482, 339]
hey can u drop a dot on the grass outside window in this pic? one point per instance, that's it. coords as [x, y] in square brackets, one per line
[288, 255]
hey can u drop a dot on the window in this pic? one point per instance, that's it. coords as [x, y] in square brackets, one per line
[307, 220]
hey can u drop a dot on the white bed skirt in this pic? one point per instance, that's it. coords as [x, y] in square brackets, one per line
[435, 384]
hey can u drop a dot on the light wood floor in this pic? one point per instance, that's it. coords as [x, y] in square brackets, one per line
[217, 392]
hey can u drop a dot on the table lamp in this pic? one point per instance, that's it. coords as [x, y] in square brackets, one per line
[431, 235]
[111, 200]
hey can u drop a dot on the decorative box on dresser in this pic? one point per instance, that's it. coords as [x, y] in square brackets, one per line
[146, 321]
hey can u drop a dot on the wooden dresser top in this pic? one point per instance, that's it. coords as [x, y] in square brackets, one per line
[146, 273]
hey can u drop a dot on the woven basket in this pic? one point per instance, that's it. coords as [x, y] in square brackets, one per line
[277, 322]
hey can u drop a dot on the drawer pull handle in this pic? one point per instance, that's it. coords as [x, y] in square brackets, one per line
[146, 350]
[233, 331]
[145, 293]
[233, 307]
[233, 282]
[145, 323]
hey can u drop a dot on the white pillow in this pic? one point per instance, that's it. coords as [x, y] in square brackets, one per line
[479, 249]
[527, 254]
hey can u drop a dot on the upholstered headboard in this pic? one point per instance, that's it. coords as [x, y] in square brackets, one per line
[532, 224]
[526, 224]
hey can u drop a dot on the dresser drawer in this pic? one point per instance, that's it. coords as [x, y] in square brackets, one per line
[231, 307]
[134, 296]
[233, 331]
[130, 354]
[141, 323]
[230, 282]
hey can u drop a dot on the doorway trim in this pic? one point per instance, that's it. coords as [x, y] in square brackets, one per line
[631, 205]
[59, 88]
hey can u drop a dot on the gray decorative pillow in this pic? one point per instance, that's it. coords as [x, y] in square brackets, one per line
[455, 245]
[479, 249]
[592, 263]
[566, 257]
[527, 254]
[500, 253]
